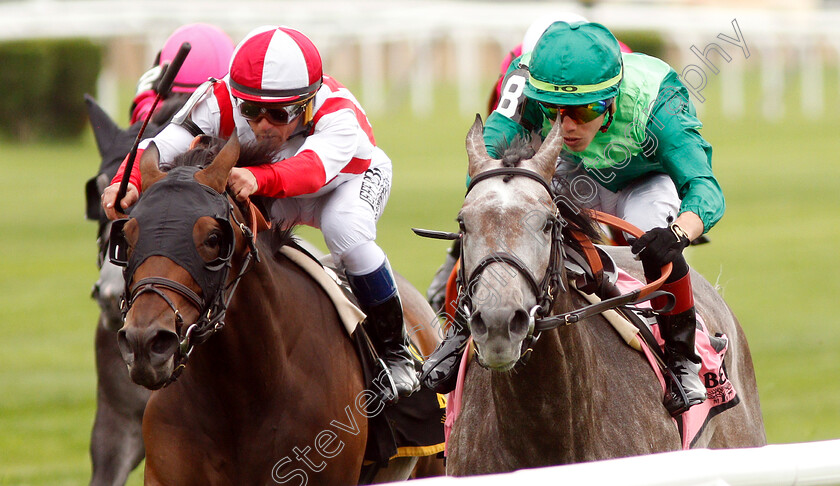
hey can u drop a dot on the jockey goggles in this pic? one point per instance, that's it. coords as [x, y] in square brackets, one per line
[282, 115]
[578, 113]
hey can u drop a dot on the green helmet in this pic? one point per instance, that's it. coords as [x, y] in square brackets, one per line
[574, 64]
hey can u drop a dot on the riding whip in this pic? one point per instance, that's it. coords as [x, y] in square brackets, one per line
[162, 88]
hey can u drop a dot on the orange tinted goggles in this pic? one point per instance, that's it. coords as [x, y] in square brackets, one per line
[578, 113]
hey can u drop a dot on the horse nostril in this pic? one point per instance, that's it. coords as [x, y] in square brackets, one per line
[164, 343]
[520, 323]
[125, 347]
[477, 325]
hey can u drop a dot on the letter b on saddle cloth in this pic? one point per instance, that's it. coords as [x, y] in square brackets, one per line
[411, 427]
[595, 275]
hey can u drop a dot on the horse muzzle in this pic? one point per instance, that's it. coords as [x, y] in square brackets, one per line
[498, 334]
[149, 354]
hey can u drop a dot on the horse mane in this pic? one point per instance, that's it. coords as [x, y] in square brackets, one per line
[520, 149]
[250, 154]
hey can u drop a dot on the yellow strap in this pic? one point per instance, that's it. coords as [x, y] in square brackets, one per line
[419, 451]
[571, 88]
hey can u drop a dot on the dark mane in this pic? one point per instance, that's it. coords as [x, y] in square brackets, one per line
[250, 154]
[521, 149]
[278, 237]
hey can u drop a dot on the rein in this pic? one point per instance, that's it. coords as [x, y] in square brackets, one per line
[212, 315]
[638, 296]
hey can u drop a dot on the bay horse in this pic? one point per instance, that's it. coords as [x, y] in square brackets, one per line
[583, 395]
[277, 394]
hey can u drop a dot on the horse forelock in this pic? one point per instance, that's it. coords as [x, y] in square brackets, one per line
[517, 151]
[521, 149]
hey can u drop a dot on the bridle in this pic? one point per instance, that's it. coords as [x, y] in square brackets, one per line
[212, 310]
[548, 288]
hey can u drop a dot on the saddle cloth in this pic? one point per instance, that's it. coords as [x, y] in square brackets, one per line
[712, 349]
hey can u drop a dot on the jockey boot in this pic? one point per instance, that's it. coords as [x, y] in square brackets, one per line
[678, 329]
[440, 371]
[379, 299]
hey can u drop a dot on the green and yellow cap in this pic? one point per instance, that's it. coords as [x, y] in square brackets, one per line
[574, 64]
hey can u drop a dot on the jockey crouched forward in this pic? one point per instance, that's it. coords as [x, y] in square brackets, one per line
[328, 172]
[630, 129]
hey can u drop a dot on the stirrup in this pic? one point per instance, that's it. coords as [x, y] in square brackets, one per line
[676, 399]
[387, 388]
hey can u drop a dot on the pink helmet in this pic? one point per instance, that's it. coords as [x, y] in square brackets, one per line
[275, 65]
[208, 57]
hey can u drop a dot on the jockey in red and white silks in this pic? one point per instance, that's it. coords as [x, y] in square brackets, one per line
[328, 172]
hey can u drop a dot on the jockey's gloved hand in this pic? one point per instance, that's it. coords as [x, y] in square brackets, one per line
[661, 245]
[149, 80]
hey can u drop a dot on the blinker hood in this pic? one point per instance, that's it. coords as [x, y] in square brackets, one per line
[166, 214]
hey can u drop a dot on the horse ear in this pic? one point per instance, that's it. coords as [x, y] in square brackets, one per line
[544, 162]
[149, 170]
[105, 130]
[216, 174]
[476, 151]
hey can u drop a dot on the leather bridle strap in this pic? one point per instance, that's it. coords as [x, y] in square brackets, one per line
[544, 291]
[509, 171]
[151, 284]
[631, 298]
[512, 260]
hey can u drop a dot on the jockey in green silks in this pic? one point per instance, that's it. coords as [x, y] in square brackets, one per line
[632, 148]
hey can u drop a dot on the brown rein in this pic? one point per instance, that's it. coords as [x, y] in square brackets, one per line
[645, 293]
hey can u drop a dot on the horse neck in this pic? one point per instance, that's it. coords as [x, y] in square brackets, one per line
[260, 321]
[556, 379]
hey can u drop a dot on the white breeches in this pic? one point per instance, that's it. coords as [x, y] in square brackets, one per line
[648, 202]
[346, 216]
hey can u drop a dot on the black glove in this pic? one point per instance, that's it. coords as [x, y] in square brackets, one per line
[661, 245]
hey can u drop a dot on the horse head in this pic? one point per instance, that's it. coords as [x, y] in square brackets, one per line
[510, 232]
[177, 249]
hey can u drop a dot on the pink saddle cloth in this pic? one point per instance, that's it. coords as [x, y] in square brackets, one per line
[721, 394]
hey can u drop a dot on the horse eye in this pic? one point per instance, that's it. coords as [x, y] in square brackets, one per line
[461, 226]
[548, 225]
[214, 240]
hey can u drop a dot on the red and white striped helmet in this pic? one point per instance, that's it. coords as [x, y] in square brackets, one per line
[275, 65]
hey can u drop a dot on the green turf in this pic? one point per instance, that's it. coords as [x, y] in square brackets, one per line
[773, 255]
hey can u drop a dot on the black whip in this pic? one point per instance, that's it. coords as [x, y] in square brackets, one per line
[162, 88]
